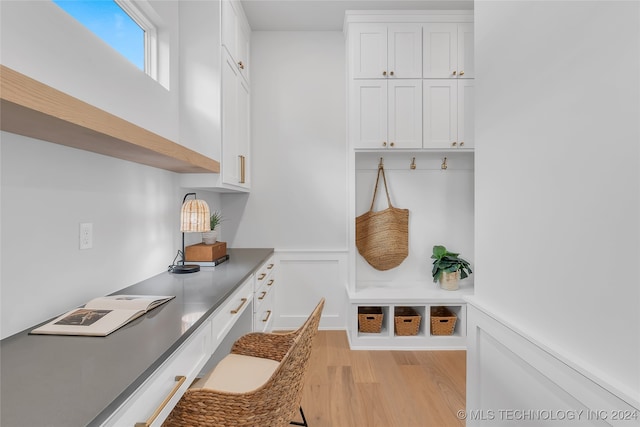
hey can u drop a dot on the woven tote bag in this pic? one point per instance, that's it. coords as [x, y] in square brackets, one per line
[382, 237]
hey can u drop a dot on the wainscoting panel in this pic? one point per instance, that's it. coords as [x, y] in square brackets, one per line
[513, 381]
[303, 278]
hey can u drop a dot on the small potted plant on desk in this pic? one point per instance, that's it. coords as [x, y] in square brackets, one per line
[448, 268]
[210, 237]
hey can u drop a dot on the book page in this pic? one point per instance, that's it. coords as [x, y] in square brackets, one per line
[128, 302]
[88, 321]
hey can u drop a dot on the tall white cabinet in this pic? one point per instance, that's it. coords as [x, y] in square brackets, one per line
[235, 95]
[410, 108]
[216, 90]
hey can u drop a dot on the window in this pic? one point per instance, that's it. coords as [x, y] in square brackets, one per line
[121, 25]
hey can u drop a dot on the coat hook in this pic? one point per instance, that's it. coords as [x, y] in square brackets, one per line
[381, 164]
[413, 164]
[443, 166]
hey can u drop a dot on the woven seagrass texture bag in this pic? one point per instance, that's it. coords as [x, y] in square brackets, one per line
[382, 237]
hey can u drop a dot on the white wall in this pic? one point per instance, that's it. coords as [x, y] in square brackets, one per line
[298, 201]
[48, 190]
[298, 131]
[557, 181]
[42, 41]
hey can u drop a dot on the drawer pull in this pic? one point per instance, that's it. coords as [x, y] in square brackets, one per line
[262, 276]
[264, 294]
[270, 282]
[270, 266]
[180, 379]
[244, 300]
[268, 315]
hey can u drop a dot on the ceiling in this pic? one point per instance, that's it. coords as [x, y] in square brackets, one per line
[328, 15]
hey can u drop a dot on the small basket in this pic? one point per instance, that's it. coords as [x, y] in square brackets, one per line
[370, 319]
[443, 321]
[407, 321]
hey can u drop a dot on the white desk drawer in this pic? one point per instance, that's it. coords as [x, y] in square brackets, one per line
[153, 401]
[262, 276]
[263, 319]
[225, 318]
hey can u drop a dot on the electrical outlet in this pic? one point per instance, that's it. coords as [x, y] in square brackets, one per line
[86, 235]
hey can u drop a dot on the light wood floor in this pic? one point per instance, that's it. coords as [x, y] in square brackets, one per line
[358, 388]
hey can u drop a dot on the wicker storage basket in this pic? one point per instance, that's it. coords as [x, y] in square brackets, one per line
[443, 321]
[407, 321]
[370, 319]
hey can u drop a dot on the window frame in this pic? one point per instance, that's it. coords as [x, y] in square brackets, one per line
[150, 36]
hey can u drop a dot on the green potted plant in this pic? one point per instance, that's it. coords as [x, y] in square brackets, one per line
[448, 268]
[210, 237]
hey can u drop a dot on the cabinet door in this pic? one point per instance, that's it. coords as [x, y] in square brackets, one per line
[243, 133]
[368, 51]
[230, 163]
[368, 115]
[242, 60]
[466, 116]
[440, 113]
[404, 56]
[405, 113]
[229, 27]
[466, 65]
[440, 45]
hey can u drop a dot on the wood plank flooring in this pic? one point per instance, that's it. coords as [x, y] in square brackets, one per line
[359, 388]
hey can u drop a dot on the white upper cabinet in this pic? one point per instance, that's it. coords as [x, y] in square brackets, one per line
[448, 50]
[466, 115]
[379, 51]
[235, 125]
[386, 114]
[235, 35]
[405, 113]
[448, 113]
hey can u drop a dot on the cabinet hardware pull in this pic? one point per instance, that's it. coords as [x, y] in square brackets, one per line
[454, 144]
[244, 300]
[264, 294]
[384, 73]
[268, 315]
[461, 143]
[270, 282]
[392, 144]
[454, 73]
[180, 379]
[384, 143]
[391, 73]
[462, 73]
[262, 276]
[242, 169]
[270, 266]
[241, 65]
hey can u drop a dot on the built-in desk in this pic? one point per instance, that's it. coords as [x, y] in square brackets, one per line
[76, 381]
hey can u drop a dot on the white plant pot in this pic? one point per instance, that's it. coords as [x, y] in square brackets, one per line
[450, 281]
[210, 237]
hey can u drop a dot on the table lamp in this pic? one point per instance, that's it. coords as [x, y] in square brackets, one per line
[194, 217]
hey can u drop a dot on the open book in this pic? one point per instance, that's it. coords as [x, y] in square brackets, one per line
[101, 316]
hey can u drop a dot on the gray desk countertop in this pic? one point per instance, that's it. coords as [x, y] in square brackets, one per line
[72, 381]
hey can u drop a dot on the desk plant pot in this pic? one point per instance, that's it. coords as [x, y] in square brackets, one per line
[210, 237]
[448, 268]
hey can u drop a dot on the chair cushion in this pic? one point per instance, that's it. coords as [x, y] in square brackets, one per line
[238, 374]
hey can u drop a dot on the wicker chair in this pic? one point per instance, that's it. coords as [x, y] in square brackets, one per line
[273, 403]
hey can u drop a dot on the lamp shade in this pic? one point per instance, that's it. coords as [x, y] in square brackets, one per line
[194, 216]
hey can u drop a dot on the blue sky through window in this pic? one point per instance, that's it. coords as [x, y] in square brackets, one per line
[107, 20]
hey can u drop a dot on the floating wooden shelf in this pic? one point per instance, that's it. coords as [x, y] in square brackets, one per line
[33, 109]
